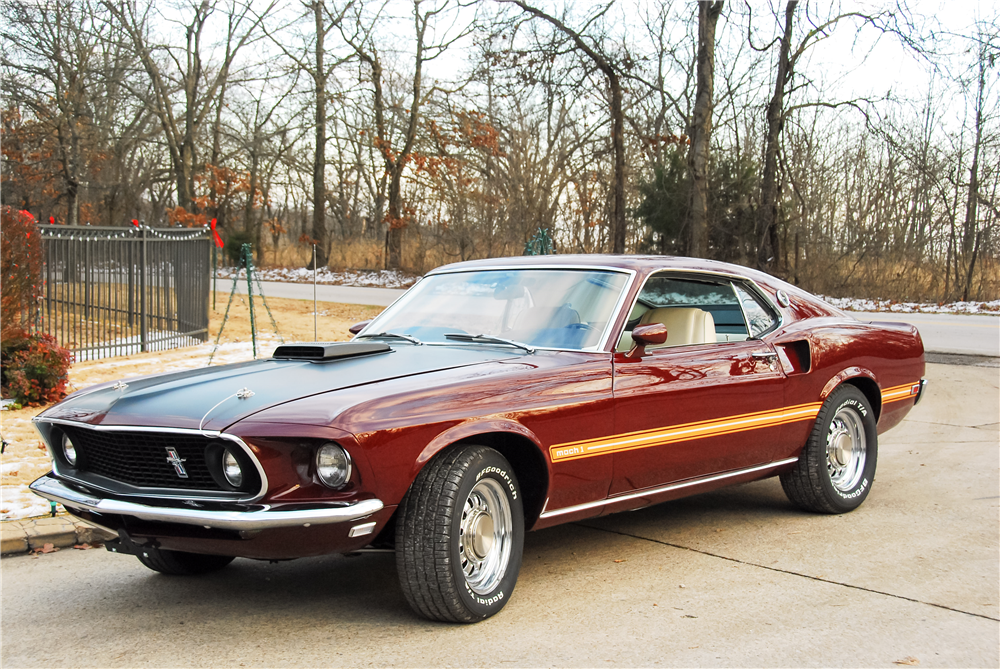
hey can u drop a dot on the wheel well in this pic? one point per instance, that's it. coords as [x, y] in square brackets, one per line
[871, 392]
[528, 464]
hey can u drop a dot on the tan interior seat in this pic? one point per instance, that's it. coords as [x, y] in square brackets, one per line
[685, 326]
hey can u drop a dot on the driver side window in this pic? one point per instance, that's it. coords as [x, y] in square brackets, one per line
[697, 311]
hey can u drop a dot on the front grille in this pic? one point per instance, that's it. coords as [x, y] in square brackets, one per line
[140, 458]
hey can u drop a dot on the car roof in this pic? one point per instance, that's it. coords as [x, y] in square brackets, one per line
[642, 264]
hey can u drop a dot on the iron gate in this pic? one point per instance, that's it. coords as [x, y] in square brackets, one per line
[116, 291]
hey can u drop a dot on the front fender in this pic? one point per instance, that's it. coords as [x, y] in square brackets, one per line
[468, 429]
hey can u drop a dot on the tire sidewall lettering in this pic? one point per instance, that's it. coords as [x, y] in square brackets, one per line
[853, 404]
[857, 492]
[500, 475]
[495, 598]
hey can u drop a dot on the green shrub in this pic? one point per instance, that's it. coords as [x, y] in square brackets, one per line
[34, 367]
[234, 242]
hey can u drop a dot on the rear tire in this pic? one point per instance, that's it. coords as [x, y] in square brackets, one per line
[459, 536]
[836, 468]
[177, 563]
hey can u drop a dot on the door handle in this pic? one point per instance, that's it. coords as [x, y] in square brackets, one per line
[759, 355]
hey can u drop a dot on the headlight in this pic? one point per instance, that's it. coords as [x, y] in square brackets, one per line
[231, 469]
[68, 450]
[333, 465]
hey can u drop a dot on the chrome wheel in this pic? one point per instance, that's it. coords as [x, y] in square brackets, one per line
[485, 536]
[846, 449]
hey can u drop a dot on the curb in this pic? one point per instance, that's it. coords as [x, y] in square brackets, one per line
[30, 534]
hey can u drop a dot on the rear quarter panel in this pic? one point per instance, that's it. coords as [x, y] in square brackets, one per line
[883, 359]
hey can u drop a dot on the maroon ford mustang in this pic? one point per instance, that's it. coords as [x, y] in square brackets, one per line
[494, 397]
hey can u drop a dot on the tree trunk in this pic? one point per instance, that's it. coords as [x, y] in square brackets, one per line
[319, 164]
[397, 224]
[618, 223]
[972, 202]
[767, 216]
[700, 130]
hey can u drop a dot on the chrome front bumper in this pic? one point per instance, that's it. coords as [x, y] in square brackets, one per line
[52, 489]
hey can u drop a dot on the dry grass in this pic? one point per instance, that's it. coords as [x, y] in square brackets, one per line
[901, 280]
[360, 254]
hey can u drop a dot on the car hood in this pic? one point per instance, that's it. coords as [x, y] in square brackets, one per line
[213, 398]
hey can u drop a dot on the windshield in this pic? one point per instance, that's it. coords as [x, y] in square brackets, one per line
[548, 308]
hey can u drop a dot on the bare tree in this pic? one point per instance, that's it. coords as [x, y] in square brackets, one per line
[396, 156]
[612, 73]
[700, 130]
[184, 88]
[768, 251]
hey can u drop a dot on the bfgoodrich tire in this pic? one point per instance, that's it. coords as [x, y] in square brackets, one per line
[459, 536]
[836, 469]
[177, 563]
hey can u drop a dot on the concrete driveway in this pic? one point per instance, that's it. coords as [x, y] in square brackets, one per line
[732, 578]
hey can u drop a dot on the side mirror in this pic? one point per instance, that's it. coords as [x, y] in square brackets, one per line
[358, 327]
[646, 335]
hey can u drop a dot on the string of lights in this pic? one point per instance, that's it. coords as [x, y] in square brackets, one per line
[50, 231]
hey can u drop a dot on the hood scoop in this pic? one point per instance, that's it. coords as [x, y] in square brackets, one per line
[320, 352]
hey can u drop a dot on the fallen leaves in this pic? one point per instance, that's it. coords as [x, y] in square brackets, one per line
[46, 548]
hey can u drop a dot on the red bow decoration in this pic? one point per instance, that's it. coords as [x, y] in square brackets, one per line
[218, 239]
[135, 222]
[52, 220]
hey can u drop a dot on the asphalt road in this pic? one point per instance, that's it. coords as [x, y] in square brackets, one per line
[942, 333]
[381, 297]
[733, 578]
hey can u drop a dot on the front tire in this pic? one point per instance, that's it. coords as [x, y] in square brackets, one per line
[836, 469]
[459, 536]
[178, 563]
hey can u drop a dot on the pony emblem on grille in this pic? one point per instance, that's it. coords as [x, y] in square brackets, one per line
[177, 461]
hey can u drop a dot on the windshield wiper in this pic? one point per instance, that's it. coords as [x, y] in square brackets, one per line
[391, 335]
[487, 339]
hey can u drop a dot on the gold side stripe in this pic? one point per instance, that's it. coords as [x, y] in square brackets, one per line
[574, 450]
[897, 393]
[689, 431]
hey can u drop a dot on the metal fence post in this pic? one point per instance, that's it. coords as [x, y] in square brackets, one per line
[88, 265]
[143, 325]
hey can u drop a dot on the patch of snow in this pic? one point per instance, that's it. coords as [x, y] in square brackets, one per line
[860, 304]
[367, 279]
[17, 502]
[133, 345]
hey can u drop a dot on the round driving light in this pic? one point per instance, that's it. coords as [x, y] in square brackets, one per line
[231, 469]
[69, 451]
[333, 465]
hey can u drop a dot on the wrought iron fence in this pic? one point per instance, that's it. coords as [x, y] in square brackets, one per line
[116, 291]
